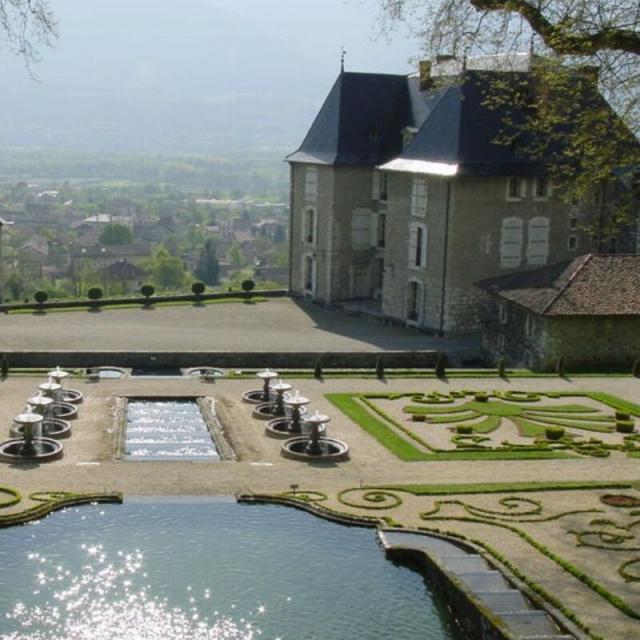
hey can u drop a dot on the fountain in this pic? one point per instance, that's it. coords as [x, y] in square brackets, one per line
[59, 408]
[290, 424]
[315, 446]
[52, 427]
[65, 395]
[30, 448]
[274, 408]
[207, 374]
[257, 396]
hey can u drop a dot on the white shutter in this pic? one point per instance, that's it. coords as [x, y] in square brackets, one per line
[511, 243]
[314, 269]
[420, 304]
[538, 241]
[360, 230]
[413, 244]
[425, 240]
[373, 229]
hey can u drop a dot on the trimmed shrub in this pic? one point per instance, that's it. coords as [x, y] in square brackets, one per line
[198, 288]
[40, 296]
[95, 293]
[247, 285]
[379, 368]
[560, 367]
[441, 365]
[419, 417]
[554, 433]
[624, 426]
[317, 371]
[622, 415]
[635, 370]
[481, 396]
[464, 429]
[4, 365]
[147, 290]
[502, 367]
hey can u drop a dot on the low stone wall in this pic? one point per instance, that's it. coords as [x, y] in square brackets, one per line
[224, 360]
[142, 301]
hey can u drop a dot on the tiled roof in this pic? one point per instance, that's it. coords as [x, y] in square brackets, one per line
[590, 285]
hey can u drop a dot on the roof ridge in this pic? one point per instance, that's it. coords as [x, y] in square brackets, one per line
[567, 284]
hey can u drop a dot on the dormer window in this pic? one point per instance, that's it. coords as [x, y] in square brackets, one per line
[408, 134]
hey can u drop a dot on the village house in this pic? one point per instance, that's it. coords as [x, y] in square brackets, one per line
[401, 198]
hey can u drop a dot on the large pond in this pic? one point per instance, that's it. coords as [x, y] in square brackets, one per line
[203, 569]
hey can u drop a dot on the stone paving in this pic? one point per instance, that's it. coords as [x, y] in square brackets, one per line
[90, 464]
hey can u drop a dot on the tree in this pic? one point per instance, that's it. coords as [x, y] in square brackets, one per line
[26, 24]
[167, 272]
[208, 267]
[115, 233]
[580, 47]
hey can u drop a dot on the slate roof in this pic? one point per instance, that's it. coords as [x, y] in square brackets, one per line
[590, 285]
[455, 125]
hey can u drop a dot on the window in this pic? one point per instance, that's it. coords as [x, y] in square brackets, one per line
[361, 229]
[528, 326]
[485, 243]
[309, 274]
[415, 301]
[380, 185]
[511, 243]
[419, 197]
[541, 188]
[516, 188]
[503, 313]
[382, 224]
[418, 239]
[573, 222]
[538, 241]
[384, 185]
[309, 230]
[572, 243]
[311, 184]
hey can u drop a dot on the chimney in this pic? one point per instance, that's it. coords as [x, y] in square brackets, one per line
[426, 81]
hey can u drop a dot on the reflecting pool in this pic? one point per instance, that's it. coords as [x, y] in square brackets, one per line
[196, 569]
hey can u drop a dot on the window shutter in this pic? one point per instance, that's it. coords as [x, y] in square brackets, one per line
[413, 245]
[425, 241]
[538, 241]
[360, 230]
[511, 243]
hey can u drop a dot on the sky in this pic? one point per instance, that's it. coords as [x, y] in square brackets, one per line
[148, 75]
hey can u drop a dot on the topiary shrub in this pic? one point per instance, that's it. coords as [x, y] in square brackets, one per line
[379, 368]
[554, 433]
[502, 367]
[481, 396]
[198, 288]
[94, 294]
[441, 366]
[560, 368]
[464, 429]
[624, 426]
[635, 369]
[419, 417]
[622, 415]
[147, 290]
[317, 371]
[4, 365]
[247, 285]
[40, 296]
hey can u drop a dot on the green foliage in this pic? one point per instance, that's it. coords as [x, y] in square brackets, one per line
[560, 367]
[116, 234]
[481, 396]
[167, 271]
[554, 433]
[464, 429]
[247, 285]
[622, 415]
[317, 371]
[40, 296]
[147, 290]
[624, 426]
[4, 365]
[441, 365]
[208, 267]
[379, 368]
[502, 367]
[635, 370]
[198, 288]
[94, 293]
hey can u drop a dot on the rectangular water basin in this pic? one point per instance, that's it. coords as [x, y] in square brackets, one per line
[168, 430]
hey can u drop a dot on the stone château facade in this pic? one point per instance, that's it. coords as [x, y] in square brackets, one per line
[401, 195]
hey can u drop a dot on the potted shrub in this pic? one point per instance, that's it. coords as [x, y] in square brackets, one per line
[198, 288]
[94, 294]
[248, 285]
[40, 296]
[554, 433]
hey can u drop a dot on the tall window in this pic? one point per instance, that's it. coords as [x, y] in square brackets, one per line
[515, 189]
[309, 226]
[309, 274]
[538, 241]
[380, 185]
[419, 197]
[541, 188]
[382, 225]
[311, 183]
[418, 239]
[415, 301]
[511, 243]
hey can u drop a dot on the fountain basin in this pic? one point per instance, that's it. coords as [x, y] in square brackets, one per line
[269, 411]
[279, 428]
[64, 410]
[46, 450]
[71, 396]
[205, 372]
[330, 449]
[51, 428]
[255, 396]
[111, 372]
